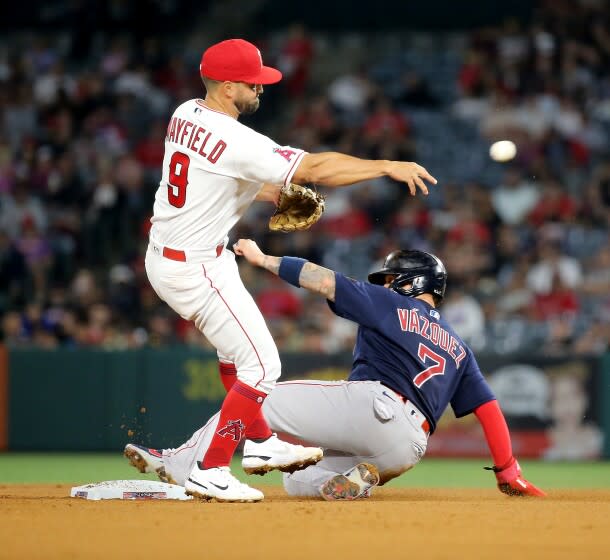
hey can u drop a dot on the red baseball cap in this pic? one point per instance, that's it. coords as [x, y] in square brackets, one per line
[236, 60]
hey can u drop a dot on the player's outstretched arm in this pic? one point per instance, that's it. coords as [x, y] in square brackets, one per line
[298, 272]
[506, 468]
[333, 169]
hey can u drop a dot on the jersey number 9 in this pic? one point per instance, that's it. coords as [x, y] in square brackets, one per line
[178, 179]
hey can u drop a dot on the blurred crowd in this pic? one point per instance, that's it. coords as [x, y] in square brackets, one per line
[528, 254]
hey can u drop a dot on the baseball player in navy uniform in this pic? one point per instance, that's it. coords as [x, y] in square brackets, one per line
[409, 364]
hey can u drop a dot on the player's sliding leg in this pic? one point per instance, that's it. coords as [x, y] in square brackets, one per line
[337, 477]
[323, 479]
[352, 484]
[307, 482]
[179, 462]
[148, 460]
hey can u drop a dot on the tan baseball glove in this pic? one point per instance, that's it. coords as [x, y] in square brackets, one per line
[298, 208]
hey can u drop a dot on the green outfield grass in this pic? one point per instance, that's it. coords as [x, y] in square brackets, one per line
[30, 468]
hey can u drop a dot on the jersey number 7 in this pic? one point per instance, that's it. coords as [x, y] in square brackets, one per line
[425, 354]
[178, 179]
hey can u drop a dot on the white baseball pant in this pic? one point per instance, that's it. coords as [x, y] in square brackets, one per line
[206, 288]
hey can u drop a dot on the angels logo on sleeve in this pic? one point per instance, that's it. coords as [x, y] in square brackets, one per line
[285, 153]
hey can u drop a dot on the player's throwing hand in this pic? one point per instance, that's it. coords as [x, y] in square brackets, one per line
[411, 173]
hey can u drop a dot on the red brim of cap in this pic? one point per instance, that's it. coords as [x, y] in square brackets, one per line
[266, 75]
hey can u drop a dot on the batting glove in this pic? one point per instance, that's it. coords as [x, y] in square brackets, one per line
[512, 483]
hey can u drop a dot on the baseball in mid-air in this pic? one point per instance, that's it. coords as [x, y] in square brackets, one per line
[503, 150]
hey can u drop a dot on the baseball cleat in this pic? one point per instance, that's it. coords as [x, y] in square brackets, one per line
[148, 460]
[351, 485]
[219, 485]
[275, 454]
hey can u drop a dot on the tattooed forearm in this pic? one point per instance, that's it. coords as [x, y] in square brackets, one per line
[272, 264]
[318, 279]
[313, 277]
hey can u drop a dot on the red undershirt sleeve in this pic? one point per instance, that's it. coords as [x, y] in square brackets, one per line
[496, 432]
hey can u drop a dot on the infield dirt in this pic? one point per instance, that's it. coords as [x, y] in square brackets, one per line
[43, 522]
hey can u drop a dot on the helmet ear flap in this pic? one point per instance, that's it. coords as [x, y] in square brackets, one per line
[418, 284]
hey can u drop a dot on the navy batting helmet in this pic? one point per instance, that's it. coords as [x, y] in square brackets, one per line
[425, 272]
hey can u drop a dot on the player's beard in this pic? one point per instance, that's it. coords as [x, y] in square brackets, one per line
[247, 107]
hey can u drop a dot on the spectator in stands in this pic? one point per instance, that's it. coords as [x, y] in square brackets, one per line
[295, 58]
[350, 94]
[554, 205]
[13, 334]
[19, 207]
[515, 197]
[149, 151]
[515, 297]
[465, 314]
[560, 302]
[552, 263]
[37, 254]
[317, 115]
[414, 91]
[277, 300]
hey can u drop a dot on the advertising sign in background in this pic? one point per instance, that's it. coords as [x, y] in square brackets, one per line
[556, 409]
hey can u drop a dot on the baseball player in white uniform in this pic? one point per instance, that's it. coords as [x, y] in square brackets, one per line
[214, 168]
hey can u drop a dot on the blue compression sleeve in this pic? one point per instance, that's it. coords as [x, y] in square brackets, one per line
[290, 269]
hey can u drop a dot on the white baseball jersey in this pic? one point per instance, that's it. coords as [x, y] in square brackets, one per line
[213, 168]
